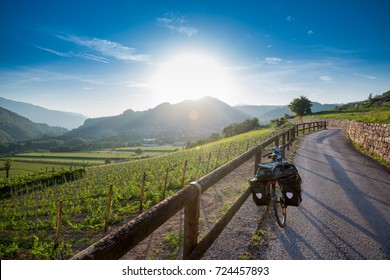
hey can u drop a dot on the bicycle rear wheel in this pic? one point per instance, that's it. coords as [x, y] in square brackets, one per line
[280, 209]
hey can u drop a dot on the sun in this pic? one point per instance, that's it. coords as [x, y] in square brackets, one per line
[190, 75]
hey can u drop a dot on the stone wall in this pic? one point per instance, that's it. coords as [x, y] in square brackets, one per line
[374, 137]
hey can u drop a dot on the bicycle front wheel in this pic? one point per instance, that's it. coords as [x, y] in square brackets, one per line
[280, 209]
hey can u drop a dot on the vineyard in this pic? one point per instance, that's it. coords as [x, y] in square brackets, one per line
[50, 220]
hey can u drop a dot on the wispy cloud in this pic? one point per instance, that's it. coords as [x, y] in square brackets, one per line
[28, 76]
[326, 78]
[133, 84]
[76, 54]
[101, 49]
[177, 23]
[54, 52]
[290, 18]
[310, 32]
[365, 76]
[273, 60]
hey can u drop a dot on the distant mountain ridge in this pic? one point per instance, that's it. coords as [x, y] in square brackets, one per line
[17, 128]
[39, 114]
[187, 120]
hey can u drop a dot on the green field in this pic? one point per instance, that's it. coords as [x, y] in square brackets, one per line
[26, 163]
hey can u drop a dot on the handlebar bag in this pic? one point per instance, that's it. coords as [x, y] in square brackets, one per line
[260, 192]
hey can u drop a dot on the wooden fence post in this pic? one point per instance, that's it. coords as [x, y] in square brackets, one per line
[191, 222]
[258, 158]
[106, 226]
[184, 173]
[283, 143]
[277, 142]
[59, 213]
[288, 139]
[165, 182]
[141, 199]
[208, 163]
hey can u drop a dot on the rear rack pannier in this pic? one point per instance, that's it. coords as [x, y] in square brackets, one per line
[260, 192]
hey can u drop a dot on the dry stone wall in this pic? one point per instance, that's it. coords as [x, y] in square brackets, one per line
[374, 137]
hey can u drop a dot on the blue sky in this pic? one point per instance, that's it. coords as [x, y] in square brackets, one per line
[100, 58]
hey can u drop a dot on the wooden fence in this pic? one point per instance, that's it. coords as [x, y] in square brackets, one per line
[119, 242]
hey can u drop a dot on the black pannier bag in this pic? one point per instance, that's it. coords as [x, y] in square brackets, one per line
[292, 186]
[260, 192]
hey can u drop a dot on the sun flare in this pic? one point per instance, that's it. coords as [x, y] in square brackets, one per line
[190, 75]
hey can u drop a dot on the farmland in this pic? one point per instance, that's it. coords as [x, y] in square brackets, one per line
[26, 163]
[28, 223]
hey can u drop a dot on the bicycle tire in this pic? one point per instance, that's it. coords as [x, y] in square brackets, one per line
[280, 209]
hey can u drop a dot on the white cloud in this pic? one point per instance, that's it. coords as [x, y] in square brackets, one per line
[177, 23]
[133, 84]
[290, 18]
[310, 32]
[365, 76]
[105, 48]
[326, 78]
[273, 60]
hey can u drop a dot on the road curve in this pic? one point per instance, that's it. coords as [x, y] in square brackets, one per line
[345, 212]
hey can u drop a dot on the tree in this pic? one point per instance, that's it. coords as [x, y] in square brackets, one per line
[7, 165]
[238, 128]
[300, 106]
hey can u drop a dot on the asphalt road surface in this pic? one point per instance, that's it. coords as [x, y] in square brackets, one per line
[345, 212]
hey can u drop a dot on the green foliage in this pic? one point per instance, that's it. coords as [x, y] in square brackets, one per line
[43, 250]
[9, 250]
[300, 106]
[31, 181]
[7, 165]
[258, 236]
[239, 128]
[172, 244]
[47, 250]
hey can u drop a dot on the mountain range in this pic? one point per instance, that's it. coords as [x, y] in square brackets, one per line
[185, 121]
[14, 127]
[42, 115]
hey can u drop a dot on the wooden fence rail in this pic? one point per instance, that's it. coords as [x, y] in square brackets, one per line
[119, 242]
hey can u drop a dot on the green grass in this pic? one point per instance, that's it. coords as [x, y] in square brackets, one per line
[373, 114]
[22, 168]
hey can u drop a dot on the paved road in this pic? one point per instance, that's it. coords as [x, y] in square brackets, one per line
[345, 213]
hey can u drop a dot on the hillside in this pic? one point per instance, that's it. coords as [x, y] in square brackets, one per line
[42, 115]
[187, 120]
[266, 113]
[375, 109]
[17, 128]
